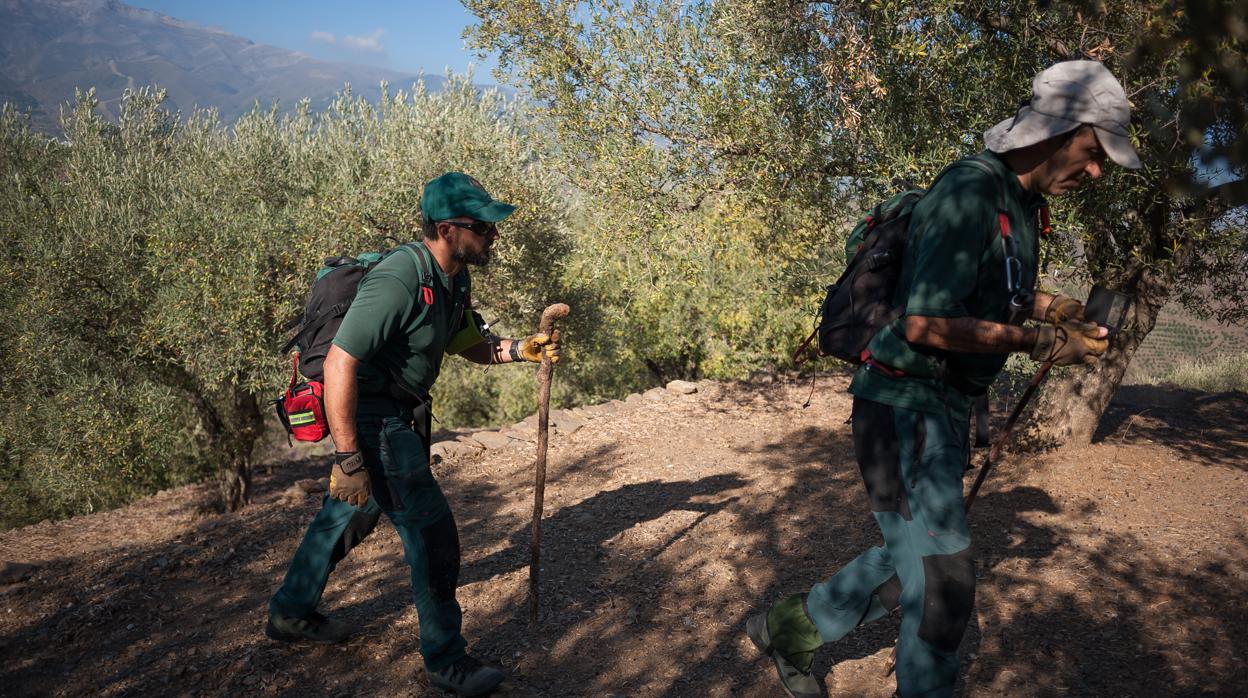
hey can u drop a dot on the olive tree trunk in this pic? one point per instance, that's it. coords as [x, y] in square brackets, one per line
[232, 434]
[1069, 407]
[235, 442]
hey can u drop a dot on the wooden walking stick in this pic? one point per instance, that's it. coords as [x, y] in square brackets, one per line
[995, 453]
[549, 316]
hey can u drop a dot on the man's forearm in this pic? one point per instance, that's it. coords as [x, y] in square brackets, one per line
[967, 334]
[496, 352]
[341, 398]
[1041, 308]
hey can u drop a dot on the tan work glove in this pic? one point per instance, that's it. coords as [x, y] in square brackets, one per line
[530, 348]
[1062, 309]
[348, 480]
[1069, 343]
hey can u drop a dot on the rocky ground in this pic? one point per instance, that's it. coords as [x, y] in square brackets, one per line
[1114, 570]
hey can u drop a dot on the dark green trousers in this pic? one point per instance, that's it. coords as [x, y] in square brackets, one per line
[912, 464]
[404, 489]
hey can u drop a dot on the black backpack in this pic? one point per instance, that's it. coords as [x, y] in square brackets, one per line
[862, 301]
[332, 293]
[301, 409]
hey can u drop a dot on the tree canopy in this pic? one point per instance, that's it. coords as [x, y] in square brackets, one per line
[798, 109]
[685, 174]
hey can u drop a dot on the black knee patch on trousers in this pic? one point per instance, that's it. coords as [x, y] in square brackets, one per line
[889, 593]
[441, 540]
[948, 597]
[361, 524]
[879, 456]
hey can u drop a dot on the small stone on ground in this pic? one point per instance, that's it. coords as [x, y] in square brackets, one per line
[492, 439]
[13, 572]
[682, 387]
[312, 485]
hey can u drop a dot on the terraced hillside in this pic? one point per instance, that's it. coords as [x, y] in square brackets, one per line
[1179, 337]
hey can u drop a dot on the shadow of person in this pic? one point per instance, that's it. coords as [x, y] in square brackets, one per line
[578, 529]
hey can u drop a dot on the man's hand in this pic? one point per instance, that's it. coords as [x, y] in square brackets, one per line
[1063, 308]
[348, 480]
[1070, 343]
[531, 347]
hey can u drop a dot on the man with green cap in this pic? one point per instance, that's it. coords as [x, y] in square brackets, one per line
[409, 310]
[967, 286]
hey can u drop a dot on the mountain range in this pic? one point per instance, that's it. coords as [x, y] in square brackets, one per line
[49, 48]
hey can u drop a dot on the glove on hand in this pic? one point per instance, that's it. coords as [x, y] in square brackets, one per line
[1069, 343]
[531, 347]
[1062, 309]
[348, 480]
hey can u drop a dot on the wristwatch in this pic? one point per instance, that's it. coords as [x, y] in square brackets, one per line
[515, 350]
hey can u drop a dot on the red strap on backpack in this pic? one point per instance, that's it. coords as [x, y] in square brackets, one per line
[294, 372]
[881, 367]
[801, 356]
[1004, 221]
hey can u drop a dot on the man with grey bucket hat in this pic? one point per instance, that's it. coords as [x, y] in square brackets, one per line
[967, 286]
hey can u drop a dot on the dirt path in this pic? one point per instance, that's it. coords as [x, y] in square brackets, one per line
[1116, 570]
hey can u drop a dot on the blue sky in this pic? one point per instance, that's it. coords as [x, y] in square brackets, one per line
[410, 36]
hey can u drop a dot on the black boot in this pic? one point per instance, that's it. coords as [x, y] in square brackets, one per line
[467, 677]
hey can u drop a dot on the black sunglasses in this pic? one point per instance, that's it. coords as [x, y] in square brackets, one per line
[484, 228]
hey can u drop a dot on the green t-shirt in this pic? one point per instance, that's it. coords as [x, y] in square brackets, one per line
[954, 266]
[391, 331]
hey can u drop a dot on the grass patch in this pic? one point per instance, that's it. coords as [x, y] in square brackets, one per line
[1218, 374]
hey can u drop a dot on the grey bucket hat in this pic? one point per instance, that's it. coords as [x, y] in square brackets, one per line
[1063, 97]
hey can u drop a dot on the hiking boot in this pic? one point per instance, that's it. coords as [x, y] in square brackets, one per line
[316, 628]
[466, 677]
[796, 683]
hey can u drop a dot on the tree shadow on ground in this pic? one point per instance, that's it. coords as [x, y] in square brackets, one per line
[632, 583]
[205, 636]
[185, 615]
[801, 533]
[677, 564]
[1100, 629]
[1210, 428]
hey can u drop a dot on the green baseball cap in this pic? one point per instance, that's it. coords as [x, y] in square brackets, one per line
[455, 194]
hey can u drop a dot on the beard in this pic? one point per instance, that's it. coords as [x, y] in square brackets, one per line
[476, 259]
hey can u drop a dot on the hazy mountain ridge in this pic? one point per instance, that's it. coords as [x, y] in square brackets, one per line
[50, 47]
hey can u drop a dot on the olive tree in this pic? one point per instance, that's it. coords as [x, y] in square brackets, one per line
[155, 261]
[708, 171]
[785, 107]
[1159, 233]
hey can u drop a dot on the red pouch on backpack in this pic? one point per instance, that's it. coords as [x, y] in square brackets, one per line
[302, 409]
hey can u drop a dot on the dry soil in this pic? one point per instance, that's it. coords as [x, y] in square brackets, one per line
[1112, 570]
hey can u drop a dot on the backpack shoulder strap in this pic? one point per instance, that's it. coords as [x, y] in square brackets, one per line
[461, 298]
[421, 254]
[1003, 217]
[978, 164]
